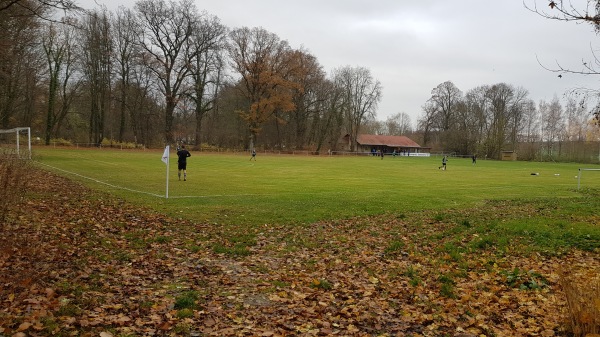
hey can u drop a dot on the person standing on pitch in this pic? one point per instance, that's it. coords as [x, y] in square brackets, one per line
[253, 155]
[183, 154]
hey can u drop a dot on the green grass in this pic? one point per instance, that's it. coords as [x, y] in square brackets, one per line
[229, 189]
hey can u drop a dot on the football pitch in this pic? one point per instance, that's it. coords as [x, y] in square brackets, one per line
[229, 188]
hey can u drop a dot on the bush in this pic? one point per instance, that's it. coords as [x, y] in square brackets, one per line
[122, 145]
[583, 304]
[60, 142]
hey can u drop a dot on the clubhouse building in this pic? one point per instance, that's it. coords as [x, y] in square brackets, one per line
[401, 145]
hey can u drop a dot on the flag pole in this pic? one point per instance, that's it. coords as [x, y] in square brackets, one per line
[165, 159]
[168, 161]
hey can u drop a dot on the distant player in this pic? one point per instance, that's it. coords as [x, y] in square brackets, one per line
[444, 161]
[183, 154]
[253, 155]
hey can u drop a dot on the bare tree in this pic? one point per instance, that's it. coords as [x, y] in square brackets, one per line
[552, 124]
[398, 124]
[581, 12]
[166, 30]
[307, 100]
[362, 94]
[97, 51]
[125, 51]
[207, 46]
[59, 51]
[372, 126]
[42, 9]
[328, 119]
[503, 117]
[442, 112]
[577, 119]
[477, 103]
[530, 131]
[145, 110]
[487, 120]
[427, 121]
[445, 97]
[20, 66]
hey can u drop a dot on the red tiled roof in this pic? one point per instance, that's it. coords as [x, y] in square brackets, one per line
[391, 141]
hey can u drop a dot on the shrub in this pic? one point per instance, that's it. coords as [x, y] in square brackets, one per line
[116, 144]
[60, 142]
[583, 302]
[525, 280]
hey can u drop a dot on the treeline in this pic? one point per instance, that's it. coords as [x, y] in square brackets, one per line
[489, 119]
[165, 72]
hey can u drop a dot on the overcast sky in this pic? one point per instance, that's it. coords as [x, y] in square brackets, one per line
[411, 46]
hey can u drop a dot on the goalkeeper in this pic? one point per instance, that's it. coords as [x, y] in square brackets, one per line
[182, 154]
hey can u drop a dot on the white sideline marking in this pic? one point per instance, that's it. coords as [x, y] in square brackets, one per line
[103, 182]
[148, 193]
[214, 195]
[96, 160]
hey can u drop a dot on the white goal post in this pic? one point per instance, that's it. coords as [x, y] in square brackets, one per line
[580, 173]
[11, 139]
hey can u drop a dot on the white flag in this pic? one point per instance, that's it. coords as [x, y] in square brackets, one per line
[165, 157]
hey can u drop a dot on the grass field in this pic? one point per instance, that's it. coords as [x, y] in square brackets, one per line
[228, 188]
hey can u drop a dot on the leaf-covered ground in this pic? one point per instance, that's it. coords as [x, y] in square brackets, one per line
[74, 262]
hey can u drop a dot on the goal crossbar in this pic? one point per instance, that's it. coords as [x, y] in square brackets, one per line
[580, 173]
[17, 131]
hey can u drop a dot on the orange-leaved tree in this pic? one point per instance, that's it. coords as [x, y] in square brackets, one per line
[266, 65]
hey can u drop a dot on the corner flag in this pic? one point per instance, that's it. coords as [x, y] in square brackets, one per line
[165, 156]
[165, 159]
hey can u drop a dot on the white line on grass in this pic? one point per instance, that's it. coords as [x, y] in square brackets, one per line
[95, 160]
[148, 193]
[103, 182]
[215, 196]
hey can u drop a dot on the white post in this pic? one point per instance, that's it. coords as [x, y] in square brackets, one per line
[167, 190]
[165, 159]
[29, 140]
[18, 145]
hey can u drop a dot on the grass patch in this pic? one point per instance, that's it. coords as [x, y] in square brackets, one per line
[162, 239]
[185, 313]
[453, 251]
[395, 247]
[482, 243]
[68, 309]
[236, 250]
[186, 300]
[413, 275]
[447, 286]
[280, 284]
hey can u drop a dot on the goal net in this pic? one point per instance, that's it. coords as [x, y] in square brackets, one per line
[590, 179]
[17, 141]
